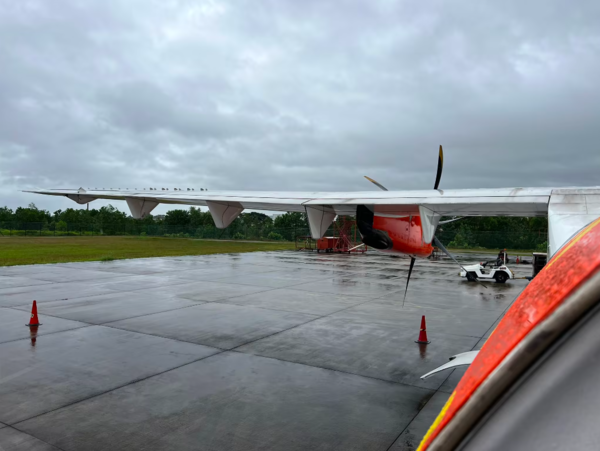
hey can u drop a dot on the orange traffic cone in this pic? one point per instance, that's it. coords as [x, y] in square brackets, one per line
[518, 260]
[34, 322]
[423, 333]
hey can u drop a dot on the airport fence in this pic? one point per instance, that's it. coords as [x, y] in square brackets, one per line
[495, 239]
[522, 239]
[235, 231]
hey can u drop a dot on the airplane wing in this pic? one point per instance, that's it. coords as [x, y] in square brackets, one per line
[568, 209]
[463, 359]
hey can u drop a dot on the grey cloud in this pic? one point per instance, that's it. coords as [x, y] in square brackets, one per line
[144, 108]
[287, 95]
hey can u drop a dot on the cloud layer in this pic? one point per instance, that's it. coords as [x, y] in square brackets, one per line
[288, 95]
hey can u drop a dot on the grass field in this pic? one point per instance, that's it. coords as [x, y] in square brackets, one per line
[32, 250]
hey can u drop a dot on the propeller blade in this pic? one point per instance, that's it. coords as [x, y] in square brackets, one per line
[445, 251]
[440, 167]
[378, 184]
[412, 264]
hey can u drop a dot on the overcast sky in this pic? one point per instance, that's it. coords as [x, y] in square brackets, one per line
[296, 95]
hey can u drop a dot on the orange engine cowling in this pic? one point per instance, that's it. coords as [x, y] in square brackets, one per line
[406, 234]
[401, 235]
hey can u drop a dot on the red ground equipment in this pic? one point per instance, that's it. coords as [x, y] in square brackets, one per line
[348, 240]
[345, 240]
[327, 244]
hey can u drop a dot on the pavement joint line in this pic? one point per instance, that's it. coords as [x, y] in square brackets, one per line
[146, 314]
[249, 342]
[273, 309]
[266, 290]
[184, 282]
[335, 294]
[419, 411]
[302, 324]
[336, 370]
[49, 333]
[277, 288]
[56, 282]
[289, 286]
[201, 302]
[66, 264]
[107, 324]
[51, 316]
[87, 324]
[135, 381]
[155, 313]
[408, 304]
[237, 351]
[220, 301]
[447, 377]
[151, 313]
[424, 405]
[102, 294]
[166, 337]
[25, 286]
[242, 274]
[31, 435]
[330, 294]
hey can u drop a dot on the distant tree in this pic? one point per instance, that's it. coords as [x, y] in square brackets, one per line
[495, 232]
[111, 221]
[177, 218]
[255, 225]
[6, 214]
[289, 225]
[75, 216]
[199, 218]
[148, 220]
[31, 214]
[291, 220]
[255, 219]
[274, 236]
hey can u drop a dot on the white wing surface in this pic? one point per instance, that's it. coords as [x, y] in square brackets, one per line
[568, 209]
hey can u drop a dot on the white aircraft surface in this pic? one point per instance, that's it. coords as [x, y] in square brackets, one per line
[401, 222]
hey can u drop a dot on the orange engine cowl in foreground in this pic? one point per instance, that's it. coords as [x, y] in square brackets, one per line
[406, 234]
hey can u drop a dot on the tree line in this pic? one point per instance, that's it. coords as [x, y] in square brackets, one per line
[110, 221]
[487, 232]
[496, 233]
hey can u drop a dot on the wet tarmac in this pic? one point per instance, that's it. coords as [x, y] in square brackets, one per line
[279, 351]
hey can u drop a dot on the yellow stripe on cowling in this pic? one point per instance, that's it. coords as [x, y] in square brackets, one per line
[437, 421]
[573, 241]
[443, 412]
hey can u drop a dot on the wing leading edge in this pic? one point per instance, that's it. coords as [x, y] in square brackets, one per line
[568, 209]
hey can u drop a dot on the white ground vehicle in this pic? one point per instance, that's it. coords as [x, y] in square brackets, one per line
[499, 273]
